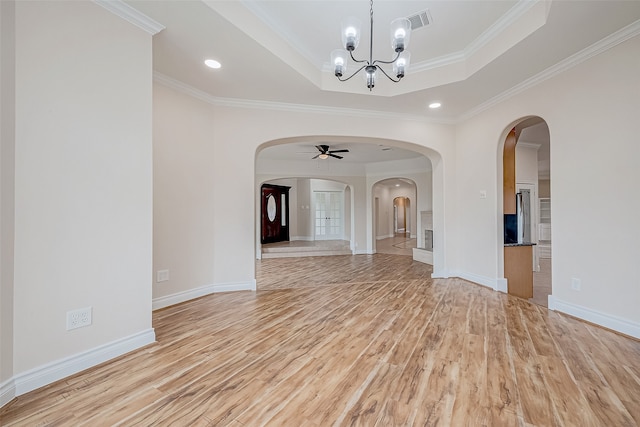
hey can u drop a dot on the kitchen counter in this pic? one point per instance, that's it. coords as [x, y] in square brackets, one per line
[518, 269]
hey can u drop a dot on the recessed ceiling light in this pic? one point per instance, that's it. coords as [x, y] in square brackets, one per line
[397, 185]
[211, 63]
[435, 105]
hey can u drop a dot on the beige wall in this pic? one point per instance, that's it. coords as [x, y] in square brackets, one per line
[526, 163]
[231, 155]
[83, 184]
[592, 153]
[184, 193]
[7, 183]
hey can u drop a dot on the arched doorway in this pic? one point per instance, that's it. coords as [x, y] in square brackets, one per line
[525, 226]
[395, 222]
[286, 157]
[402, 216]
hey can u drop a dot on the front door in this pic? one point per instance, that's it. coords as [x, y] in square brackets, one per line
[274, 213]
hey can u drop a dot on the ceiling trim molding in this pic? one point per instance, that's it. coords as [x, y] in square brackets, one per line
[281, 106]
[595, 49]
[502, 24]
[132, 15]
[464, 55]
[290, 38]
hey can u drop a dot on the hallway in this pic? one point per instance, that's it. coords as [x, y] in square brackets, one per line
[397, 245]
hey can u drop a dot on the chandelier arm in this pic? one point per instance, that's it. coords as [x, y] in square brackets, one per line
[387, 62]
[356, 60]
[356, 72]
[385, 73]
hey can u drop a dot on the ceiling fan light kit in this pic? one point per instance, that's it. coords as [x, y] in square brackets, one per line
[400, 35]
[325, 153]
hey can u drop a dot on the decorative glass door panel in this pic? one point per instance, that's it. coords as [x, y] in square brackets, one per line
[328, 215]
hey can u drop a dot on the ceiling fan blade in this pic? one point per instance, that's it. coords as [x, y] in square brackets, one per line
[339, 151]
[315, 157]
[333, 155]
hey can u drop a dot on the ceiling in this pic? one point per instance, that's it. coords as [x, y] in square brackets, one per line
[278, 50]
[358, 153]
[472, 52]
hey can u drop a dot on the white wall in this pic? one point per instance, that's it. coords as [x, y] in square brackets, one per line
[237, 176]
[305, 222]
[526, 163]
[7, 183]
[83, 188]
[594, 180]
[183, 202]
[384, 216]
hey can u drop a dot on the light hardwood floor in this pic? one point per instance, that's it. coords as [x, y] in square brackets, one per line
[397, 245]
[354, 340]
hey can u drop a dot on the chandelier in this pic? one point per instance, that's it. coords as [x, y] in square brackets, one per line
[400, 34]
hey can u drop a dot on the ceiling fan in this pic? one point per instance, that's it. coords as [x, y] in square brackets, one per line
[325, 152]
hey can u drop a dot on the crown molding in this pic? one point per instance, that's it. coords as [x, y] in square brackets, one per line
[132, 15]
[595, 49]
[502, 24]
[287, 107]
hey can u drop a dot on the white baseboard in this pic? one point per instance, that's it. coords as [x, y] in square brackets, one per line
[422, 255]
[501, 285]
[361, 252]
[7, 392]
[480, 280]
[440, 274]
[609, 321]
[489, 282]
[59, 369]
[167, 300]
[384, 237]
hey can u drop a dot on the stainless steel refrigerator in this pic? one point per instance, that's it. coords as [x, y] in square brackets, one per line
[523, 215]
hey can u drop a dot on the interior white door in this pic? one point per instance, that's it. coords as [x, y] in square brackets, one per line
[328, 215]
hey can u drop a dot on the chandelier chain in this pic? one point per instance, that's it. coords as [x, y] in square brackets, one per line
[371, 36]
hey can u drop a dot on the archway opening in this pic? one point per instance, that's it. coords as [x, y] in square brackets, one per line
[297, 157]
[395, 215]
[525, 185]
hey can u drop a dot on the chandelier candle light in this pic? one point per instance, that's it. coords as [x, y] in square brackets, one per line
[400, 34]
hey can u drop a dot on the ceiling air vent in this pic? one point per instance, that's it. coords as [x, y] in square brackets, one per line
[420, 19]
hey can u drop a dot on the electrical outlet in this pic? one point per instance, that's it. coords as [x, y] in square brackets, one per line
[78, 318]
[162, 275]
[576, 285]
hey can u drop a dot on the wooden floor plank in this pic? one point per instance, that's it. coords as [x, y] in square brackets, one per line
[371, 341]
